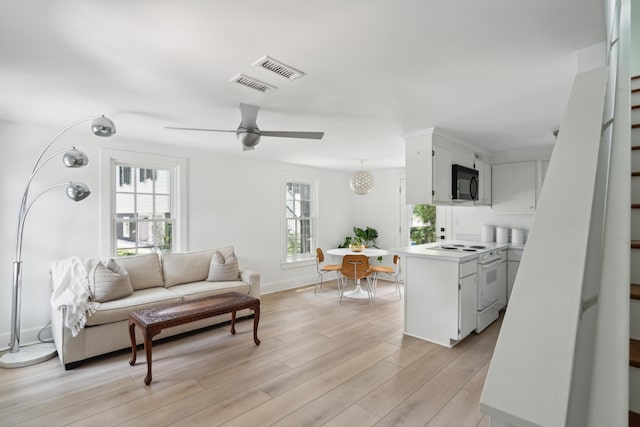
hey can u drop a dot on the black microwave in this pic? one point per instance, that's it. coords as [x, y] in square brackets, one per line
[464, 183]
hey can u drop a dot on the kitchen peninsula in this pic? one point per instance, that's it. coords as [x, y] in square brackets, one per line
[453, 288]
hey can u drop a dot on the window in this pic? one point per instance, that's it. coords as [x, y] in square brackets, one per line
[299, 219]
[143, 219]
[423, 224]
[144, 203]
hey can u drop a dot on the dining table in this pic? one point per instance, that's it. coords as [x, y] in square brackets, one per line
[358, 292]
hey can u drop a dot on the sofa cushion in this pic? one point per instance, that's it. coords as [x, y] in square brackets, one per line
[144, 270]
[117, 310]
[191, 291]
[109, 282]
[223, 267]
[185, 267]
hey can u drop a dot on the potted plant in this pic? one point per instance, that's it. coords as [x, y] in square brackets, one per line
[356, 244]
[367, 236]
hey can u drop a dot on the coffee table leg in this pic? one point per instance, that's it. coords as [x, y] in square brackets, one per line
[256, 319]
[147, 347]
[132, 336]
[233, 322]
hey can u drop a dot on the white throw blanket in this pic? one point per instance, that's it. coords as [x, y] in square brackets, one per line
[71, 291]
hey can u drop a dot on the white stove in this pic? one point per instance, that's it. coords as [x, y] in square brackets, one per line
[453, 247]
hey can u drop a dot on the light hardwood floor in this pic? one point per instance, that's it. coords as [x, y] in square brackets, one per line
[319, 363]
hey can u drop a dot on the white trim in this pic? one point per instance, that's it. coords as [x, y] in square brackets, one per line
[178, 166]
[284, 285]
[459, 141]
[418, 133]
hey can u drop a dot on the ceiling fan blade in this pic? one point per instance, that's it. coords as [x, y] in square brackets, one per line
[288, 134]
[249, 115]
[199, 129]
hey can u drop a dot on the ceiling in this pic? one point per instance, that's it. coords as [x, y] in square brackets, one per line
[496, 73]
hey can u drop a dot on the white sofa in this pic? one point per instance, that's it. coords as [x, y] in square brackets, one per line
[157, 280]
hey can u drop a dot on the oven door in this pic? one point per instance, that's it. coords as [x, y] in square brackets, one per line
[489, 275]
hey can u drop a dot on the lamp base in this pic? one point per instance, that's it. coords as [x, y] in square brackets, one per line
[28, 355]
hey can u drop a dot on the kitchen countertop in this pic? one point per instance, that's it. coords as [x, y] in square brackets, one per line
[426, 251]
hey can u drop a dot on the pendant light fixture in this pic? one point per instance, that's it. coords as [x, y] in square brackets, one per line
[361, 181]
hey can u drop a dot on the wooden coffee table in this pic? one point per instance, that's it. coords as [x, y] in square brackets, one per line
[152, 321]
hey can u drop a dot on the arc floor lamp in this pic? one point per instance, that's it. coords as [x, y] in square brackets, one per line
[72, 158]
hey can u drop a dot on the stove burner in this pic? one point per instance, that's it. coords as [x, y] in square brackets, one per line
[469, 249]
[478, 247]
[459, 246]
[451, 248]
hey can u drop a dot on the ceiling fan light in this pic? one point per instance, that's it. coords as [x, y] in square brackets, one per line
[248, 139]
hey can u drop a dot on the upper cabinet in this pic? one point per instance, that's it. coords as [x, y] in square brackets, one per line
[484, 185]
[442, 160]
[429, 156]
[514, 187]
[419, 168]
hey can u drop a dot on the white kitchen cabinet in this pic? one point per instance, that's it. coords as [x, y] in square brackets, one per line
[419, 169]
[429, 156]
[514, 187]
[543, 166]
[467, 295]
[484, 183]
[442, 162]
[503, 279]
[440, 299]
[513, 263]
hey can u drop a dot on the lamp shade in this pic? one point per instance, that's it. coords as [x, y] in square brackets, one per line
[77, 191]
[361, 182]
[102, 126]
[75, 158]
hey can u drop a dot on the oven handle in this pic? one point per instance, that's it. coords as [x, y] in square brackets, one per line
[489, 264]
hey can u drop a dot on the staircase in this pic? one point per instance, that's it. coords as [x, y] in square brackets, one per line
[634, 321]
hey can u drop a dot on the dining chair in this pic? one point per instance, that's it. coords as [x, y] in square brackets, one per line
[392, 271]
[324, 269]
[356, 267]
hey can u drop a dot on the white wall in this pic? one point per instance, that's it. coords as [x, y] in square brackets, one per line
[231, 200]
[380, 209]
[634, 57]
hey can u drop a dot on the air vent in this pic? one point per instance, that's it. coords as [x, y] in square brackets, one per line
[253, 83]
[279, 68]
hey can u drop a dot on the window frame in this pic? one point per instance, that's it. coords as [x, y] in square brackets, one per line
[109, 158]
[134, 182]
[308, 258]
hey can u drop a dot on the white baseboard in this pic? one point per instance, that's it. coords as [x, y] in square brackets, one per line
[269, 288]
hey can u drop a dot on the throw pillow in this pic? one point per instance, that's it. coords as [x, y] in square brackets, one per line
[109, 282]
[222, 267]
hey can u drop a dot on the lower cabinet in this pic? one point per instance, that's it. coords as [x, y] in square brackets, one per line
[513, 263]
[440, 299]
[467, 294]
[512, 270]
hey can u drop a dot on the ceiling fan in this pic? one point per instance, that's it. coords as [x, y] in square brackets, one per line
[248, 132]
